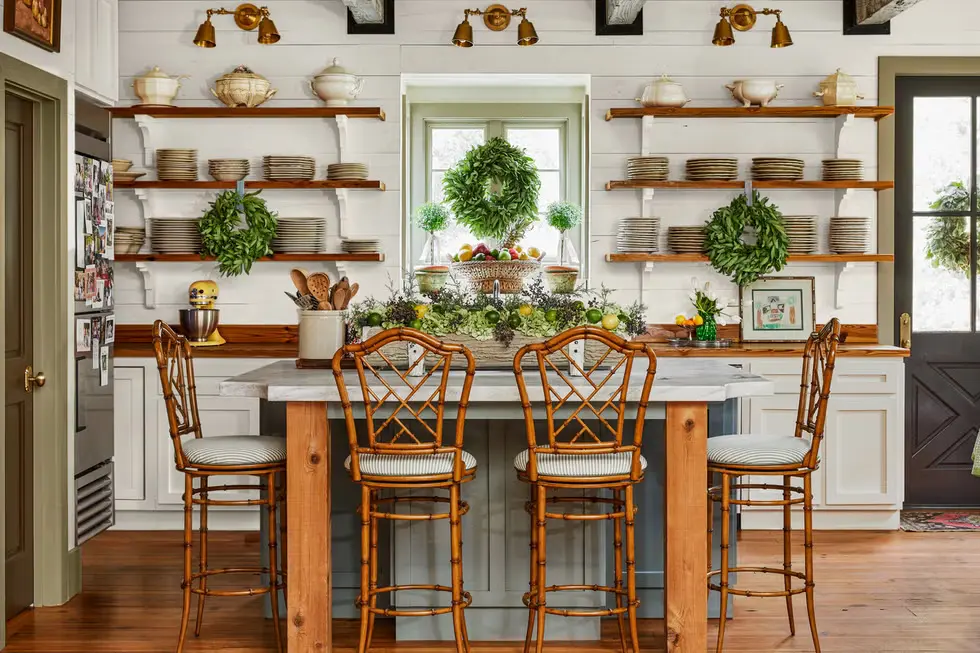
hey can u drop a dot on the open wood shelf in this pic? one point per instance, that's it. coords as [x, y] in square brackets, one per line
[758, 185]
[793, 258]
[196, 258]
[247, 112]
[314, 184]
[877, 113]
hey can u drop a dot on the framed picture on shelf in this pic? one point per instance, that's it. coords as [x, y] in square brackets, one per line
[777, 309]
[35, 21]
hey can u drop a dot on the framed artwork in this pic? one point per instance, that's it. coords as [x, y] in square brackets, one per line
[777, 309]
[35, 21]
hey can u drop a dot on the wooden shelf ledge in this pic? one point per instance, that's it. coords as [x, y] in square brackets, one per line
[797, 258]
[197, 258]
[635, 184]
[876, 113]
[315, 184]
[247, 112]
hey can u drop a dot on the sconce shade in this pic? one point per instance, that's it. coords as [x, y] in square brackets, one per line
[723, 33]
[205, 35]
[526, 34]
[464, 35]
[268, 33]
[780, 35]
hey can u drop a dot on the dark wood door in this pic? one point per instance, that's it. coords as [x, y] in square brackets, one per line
[18, 277]
[936, 284]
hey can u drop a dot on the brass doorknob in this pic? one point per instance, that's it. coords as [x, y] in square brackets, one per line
[31, 380]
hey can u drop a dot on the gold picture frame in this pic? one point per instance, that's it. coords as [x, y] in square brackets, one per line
[35, 21]
[778, 309]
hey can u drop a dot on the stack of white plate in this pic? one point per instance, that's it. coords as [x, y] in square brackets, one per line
[712, 169]
[647, 167]
[287, 168]
[347, 171]
[352, 246]
[228, 169]
[640, 235]
[771, 168]
[843, 169]
[177, 165]
[128, 240]
[686, 240]
[849, 235]
[299, 235]
[802, 232]
[175, 235]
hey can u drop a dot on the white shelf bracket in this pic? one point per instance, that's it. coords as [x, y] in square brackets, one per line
[842, 196]
[839, 270]
[146, 125]
[342, 197]
[146, 205]
[840, 127]
[342, 136]
[646, 137]
[646, 272]
[149, 292]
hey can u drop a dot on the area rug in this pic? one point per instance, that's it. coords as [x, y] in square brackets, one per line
[921, 521]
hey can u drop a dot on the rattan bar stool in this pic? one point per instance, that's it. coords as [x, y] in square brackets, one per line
[575, 455]
[405, 450]
[219, 456]
[785, 456]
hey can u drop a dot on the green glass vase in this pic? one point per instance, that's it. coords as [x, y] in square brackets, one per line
[708, 330]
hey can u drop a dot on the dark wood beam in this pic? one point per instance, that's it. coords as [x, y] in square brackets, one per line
[876, 12]
[619, 17]
[370, 16]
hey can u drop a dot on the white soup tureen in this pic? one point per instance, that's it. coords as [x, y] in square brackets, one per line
[242, 88]
[157, 88]
[839, 90]
[664, 92]
[754, 92]
[335, 86]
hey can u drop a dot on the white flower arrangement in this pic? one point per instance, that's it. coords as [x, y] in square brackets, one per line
[707, 303]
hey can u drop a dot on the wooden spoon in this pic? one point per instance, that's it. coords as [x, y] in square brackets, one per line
[299, 280]
[319, 285]
[353, 291]
[340, 294]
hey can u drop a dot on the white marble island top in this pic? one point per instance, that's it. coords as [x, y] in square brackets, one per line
[681, 380]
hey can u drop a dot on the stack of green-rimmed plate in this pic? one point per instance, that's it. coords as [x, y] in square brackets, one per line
[347, 171]
[843, 169]
[771, 168]
[849, 235]
[175, 235]
[288, 168]
[638, 235]
[654, 168]
[686, 240]
[177, 165]
[711, 169]
[299, 235]
[802, 233]
[363, 246]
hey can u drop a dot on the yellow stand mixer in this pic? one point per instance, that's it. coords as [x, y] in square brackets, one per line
[203, 317]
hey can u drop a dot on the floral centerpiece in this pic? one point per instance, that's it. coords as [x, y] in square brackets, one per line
[709, 312]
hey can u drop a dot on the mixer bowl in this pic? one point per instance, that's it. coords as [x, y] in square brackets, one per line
[198, 323]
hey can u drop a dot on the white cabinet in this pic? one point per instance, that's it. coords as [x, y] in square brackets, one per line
[97, 49]
[128, 414]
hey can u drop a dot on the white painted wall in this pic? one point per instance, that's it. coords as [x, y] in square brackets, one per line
[676, 40]
[61, 63]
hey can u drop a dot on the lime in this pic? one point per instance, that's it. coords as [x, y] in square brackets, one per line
[514, 320]
[623, 317]
[610, 322]
[551, 315]
[579, 306]
[415, 324]
[593, 315]
[374, 319]
[494, 253]
[492, 317]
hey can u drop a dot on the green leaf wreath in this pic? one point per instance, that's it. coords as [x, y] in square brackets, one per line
[730, 255]
[493, 191]
[948, 238]
[237, 248]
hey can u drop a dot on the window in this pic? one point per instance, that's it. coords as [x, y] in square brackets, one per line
[553, 141]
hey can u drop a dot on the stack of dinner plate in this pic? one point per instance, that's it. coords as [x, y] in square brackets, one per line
[843, 169]
[647, 167]
[849, 235]
[228, 169]
[366, 246]
[639, 235]
[802, 232]
[686, 240]
[175, 235]
[128, 240]
[299, 235]
[347, 171]
[177, 165]
[712, 169]
[288, 168]
[770, 168]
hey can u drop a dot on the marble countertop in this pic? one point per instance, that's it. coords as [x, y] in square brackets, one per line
[677, 380]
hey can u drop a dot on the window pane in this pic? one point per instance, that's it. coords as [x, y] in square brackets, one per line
[550, 189]
[436, 193]
[940, 285]
[942, 148]
[544, 238]
[450, 144]
[543, 145]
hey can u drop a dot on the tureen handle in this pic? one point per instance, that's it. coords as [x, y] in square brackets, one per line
[358, 85]
[820, 93]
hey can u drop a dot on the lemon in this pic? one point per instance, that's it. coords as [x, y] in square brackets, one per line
[525, 310]
[421, 310]
[698, 320]
[610, 321]
[466, 246]
[679, 320]
[465, 255]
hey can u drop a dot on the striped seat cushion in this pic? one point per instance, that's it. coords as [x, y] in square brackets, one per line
[235, 450]
[423, 464]
[580, 465]
[757, 450]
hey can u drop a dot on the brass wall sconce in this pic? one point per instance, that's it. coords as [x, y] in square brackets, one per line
[247, 17]
[743, 18]
[496, 18]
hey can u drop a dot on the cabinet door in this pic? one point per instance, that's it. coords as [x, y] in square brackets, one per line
[862, 451]
[86, 37]
[107, 49]
[128, 433]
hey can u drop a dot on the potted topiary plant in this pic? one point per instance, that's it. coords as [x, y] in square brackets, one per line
[431, 218]
[563, 216]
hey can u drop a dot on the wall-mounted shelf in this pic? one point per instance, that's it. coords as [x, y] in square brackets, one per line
[876, 113]
[741, 185]
[247, 112]
[313, 184]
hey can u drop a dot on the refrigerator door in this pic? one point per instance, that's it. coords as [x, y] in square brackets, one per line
[94, 235]
[94, 442]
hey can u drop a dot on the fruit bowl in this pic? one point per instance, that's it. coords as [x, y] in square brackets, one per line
[482, 274]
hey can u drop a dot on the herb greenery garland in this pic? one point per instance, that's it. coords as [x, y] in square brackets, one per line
[493, 191]
[237, 248]
[947, 238]
[730, 255]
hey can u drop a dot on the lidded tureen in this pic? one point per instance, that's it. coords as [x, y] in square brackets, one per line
[664, 92]
[335, 86]
[157, 88]
[242, 88]
[839, 89]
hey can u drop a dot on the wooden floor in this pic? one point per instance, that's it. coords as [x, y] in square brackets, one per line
[876, 592]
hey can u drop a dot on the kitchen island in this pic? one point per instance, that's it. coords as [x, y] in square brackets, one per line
[681, 396]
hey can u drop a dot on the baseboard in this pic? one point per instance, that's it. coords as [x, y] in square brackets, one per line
[824, 520]
[173, 520]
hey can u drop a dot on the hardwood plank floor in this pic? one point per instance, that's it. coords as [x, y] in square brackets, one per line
[876, 592]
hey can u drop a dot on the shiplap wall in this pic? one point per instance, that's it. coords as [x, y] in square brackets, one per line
[676, 41]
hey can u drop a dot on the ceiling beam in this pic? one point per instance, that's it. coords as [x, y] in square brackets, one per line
[619, 17]
[370, 16]
[876, 12]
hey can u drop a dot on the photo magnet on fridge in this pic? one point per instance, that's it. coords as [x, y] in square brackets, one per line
[110, 329]
[104, 365]
[83, 335]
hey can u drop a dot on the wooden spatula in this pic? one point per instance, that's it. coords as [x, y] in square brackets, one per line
[319, 285]
[299, 280]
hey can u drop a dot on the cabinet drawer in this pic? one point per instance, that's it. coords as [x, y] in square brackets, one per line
[850, 376]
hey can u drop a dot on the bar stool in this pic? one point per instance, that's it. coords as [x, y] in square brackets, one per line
[203, 458]
[405, 451]
[786, 456]
[577, 456]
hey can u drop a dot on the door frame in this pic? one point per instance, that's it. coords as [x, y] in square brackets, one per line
[57, 568]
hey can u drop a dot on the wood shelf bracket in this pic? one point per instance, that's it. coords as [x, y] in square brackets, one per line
[146, 125]
[839, 270]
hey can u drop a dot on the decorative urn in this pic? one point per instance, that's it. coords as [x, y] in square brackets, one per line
[335, 86]
[242, 88]
[754, 92]
[664, 92]
[157, 88]
[839, 90]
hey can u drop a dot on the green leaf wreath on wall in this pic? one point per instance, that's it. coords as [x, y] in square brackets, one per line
[948, 238]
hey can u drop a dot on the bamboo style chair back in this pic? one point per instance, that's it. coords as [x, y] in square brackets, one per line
[393, 426]
[819, 358]
[599, 395]
[176, 365]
